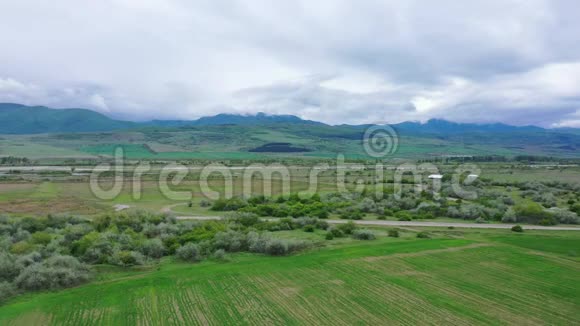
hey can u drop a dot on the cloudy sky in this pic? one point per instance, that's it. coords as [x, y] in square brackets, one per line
[335, 61]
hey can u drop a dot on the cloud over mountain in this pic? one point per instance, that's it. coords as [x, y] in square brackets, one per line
[374, 61]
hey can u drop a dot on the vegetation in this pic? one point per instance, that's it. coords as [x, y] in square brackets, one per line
[57, 251]
[446, 279]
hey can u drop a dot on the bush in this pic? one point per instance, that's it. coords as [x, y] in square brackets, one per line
[204, 203]
[335, 232]
[393, 233]
[309, 228]
[347, 228]
[276, 247]
[548, 221]
[54, 273]
[220, 254]
[21, 248]
[403, 216]
[127, 258]
[517, 228]
[509, 216]
[279, 247]
[7, 290]
[188, 252]
[423, 235]
[565, 216]
[531, 212]
[153, 248]
[323, 225]
[245, 219]
[480, 220]
[8, 267]
[363, 234]
[231, 241]
[329, 236]
[232, 204]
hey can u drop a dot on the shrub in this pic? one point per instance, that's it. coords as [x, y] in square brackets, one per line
[531, 212]
[363, 234]
[347, 228]
[279, 247]
[276, 247]
[41, 238]
[189, 252]
[204, 203]
[304, 221]
[517, 228]
[7, 290]
[423, 235]
[309, 228]
[127, 258]
[329, 236]
[509, 216]
[232, 204]
[548, 221]
[323, 225]
[54, 273]
[352, 215]
[257, 242]
[29, 259]
[393, 233]
[565, 216]
[21, 248]
[335, 232]
[153, 248]
[230, 240]
[243, 218]
[220, 254]
[403, 216]
[8, 267]
[480, 220]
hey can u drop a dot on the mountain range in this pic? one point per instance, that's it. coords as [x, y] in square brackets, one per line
[22, 119]
[44, 132]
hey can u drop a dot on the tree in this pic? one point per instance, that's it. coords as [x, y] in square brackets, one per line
[509, 216]
[363, 234]
[517, 228]
[188, 252]
[153, 248]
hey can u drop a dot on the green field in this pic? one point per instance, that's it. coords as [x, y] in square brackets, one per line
[236, 142]
[487, 277]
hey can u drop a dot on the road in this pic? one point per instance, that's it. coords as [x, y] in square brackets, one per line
[423, 224]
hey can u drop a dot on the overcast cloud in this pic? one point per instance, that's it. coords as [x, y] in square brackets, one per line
[335, 61]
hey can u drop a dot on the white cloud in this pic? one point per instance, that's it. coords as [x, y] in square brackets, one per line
[506, 60]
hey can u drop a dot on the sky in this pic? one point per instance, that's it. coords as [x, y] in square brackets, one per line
[510, 61]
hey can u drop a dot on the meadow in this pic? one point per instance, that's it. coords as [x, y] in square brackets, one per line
[420, 275]
[459, 277]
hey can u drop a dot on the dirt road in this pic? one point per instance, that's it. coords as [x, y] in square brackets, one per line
[423, 224]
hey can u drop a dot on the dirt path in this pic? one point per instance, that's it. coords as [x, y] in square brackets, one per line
[419, 224]
[168, 209]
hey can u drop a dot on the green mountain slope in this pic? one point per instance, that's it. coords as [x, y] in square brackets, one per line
[20, 119]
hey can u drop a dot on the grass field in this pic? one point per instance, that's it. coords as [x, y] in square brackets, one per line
[461, 278]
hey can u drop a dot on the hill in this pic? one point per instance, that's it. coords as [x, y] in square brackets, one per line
[21, 119]
[78, 133]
